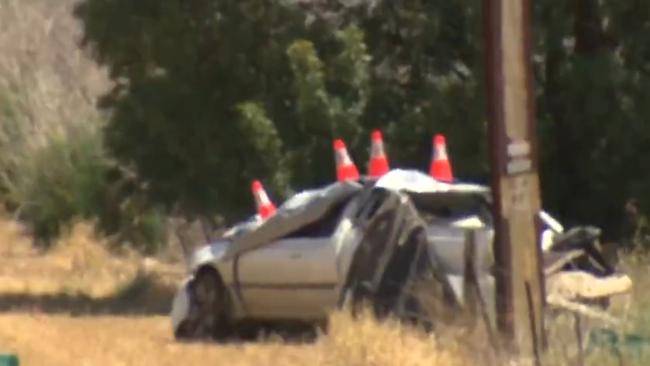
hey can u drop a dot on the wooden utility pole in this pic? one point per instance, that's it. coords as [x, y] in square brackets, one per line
[514, 178]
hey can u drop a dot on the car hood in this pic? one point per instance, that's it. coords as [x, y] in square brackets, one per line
[212, 252]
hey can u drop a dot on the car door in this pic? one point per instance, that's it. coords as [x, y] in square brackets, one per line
[292, 278]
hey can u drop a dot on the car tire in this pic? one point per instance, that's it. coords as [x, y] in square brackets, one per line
[208, 316]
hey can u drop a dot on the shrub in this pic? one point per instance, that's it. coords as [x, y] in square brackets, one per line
[53, 167]
[72, 178]
[60, 181]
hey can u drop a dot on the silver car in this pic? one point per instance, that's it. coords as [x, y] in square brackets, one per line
[327, 246]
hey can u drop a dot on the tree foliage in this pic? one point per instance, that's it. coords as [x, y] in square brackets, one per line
[211, 93]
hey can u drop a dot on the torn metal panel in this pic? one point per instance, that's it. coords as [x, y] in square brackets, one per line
[554, 262]
[584, 239]
[446, 245]
[392, 262]
[415, 267]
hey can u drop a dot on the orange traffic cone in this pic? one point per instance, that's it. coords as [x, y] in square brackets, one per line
[378, 165]
[265, 208]
[440, 165]
[345, 168]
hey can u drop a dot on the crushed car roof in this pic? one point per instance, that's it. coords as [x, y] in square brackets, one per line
[301, 209]
[417, 182]
[310, 205]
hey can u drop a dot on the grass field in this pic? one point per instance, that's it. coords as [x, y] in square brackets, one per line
[58, 339]
[81, 304]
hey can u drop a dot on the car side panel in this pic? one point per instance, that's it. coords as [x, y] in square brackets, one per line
[290, 278]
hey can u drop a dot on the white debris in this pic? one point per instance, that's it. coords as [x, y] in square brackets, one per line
[551, 222]
[575, 285]
[418, 182]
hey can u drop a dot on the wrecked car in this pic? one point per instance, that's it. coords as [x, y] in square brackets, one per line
[286, 267]
[399, 244]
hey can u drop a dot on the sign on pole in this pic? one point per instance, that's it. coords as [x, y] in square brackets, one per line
[514, 177]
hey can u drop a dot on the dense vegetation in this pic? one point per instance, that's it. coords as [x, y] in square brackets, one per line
[209, 94]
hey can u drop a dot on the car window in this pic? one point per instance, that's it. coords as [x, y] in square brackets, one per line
[324, 227]
[445, 207]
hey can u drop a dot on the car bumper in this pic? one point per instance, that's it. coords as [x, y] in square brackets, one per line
[180, 305]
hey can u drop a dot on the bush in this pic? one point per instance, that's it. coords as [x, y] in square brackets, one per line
[51, 176]
[61, 181]
[53, 166]
[72, 178]
[138, 225]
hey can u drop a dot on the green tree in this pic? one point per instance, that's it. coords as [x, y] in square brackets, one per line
[212, 93]
[207, 91]
[426, 77]
[330, 101]
[592, 108]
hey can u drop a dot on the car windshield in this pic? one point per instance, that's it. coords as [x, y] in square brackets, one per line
[450, 206]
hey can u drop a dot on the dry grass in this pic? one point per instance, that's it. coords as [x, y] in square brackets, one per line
[61, 340]
[364, 341]
[14, 242]
[78, 264]
[48, 92]
[114, 340]
[51, 84]
[115, 322]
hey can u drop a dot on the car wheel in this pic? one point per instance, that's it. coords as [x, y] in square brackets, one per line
[208, 313]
